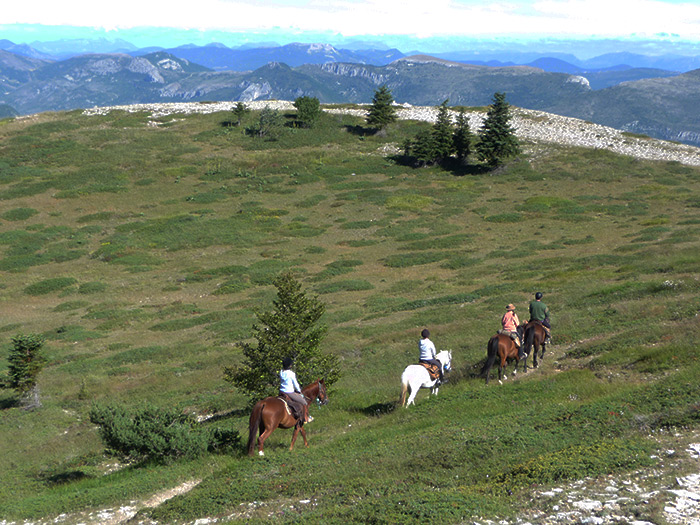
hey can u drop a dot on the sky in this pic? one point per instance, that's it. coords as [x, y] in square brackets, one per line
[206, 21]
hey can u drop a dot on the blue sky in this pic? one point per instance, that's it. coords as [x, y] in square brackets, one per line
[141, 21]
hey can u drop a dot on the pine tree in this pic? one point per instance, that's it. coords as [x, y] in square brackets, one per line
[289, 330]
[497, 139]
[462, 138]
[423, 148]
[381, 112]
[239, 112]
[308, 111]
[442, 134]
[269, 125]
[26, 362]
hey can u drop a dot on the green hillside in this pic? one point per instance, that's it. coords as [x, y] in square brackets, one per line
[140, 247]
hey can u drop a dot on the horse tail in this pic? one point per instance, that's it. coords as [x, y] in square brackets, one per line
[528, 338]
[254, 426]
[404, 390]
[491, 351]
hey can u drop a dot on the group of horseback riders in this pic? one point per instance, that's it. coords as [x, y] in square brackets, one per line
[290, 390]
[511, 326]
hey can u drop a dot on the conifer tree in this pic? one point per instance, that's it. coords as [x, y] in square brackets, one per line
[26, 362]
[240, 111]
[291, 329]
[269, 125]
[423, 149]
[462, 138]
[381, 112]
[308, 111]
[442, 134]
[497, 139]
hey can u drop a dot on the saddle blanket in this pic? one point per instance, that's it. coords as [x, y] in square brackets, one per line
[433, 370]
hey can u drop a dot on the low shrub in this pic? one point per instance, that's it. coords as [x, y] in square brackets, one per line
[48, 286]
[19, 214]
[151, 433]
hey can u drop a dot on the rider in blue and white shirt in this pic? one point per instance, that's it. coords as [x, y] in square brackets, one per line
[428, 353]
[290, 387]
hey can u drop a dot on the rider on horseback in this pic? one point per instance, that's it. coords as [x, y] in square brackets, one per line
[540, 312]
[289, 388]
[428, 353]
[511, 326]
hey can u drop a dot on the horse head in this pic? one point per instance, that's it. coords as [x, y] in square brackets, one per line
[322, 394]
[445, 357]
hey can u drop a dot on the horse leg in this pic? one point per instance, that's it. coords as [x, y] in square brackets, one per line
[411, 398]
[535, 349]
[501, 371]
[261, 440]
[542, 354]
[294, 437]
[303, 435]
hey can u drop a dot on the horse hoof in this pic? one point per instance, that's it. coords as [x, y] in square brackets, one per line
[500, 382]
[261, 453]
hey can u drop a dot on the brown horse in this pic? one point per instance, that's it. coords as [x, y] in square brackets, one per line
[503, 347]
[535, 336]
[272, 413]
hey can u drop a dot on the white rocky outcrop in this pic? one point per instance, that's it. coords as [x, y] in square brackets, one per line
[537, 127]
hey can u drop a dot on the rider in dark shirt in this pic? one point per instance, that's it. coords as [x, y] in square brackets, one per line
[540, 312]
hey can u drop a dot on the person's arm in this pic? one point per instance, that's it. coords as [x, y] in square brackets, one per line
[297, 388]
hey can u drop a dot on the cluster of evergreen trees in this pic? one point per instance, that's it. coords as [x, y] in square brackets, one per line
[448, 139]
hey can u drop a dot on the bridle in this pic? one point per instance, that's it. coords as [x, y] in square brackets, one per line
[321, 388]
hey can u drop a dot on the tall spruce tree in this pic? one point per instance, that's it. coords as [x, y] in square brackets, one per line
[26, 362]
[382, 112]
[497, 139]
[291, 329]
[462, 138]
[442, 134]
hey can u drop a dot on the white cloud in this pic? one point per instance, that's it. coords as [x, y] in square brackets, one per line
[379, 17]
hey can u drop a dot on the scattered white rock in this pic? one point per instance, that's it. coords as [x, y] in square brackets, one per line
[536, 126]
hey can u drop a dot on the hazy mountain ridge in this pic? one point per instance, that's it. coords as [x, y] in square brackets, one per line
[661, 107]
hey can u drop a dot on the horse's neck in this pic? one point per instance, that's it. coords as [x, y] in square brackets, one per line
[310, 392]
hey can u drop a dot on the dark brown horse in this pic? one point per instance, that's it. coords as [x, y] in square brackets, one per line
[533, 339]
[272, 413]
[502, 347]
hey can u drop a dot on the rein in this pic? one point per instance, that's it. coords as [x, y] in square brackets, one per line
[317, 398]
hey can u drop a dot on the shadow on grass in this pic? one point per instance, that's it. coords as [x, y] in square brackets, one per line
[379, 409]
[361, 131]
[235, 413]
[65, 477]
[9, 402]
[452, 165]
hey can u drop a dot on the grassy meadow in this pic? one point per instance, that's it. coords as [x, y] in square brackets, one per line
[141, 247]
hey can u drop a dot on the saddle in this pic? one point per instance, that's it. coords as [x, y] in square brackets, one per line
[515, 336]
[289, 405]
[433, 370]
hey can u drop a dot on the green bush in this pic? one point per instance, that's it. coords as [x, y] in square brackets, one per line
[19, 214]
[49, 285]
[157, 434]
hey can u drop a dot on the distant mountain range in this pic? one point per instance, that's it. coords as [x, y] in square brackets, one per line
[657, 102]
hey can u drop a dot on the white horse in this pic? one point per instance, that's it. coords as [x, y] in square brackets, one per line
[416, 377]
